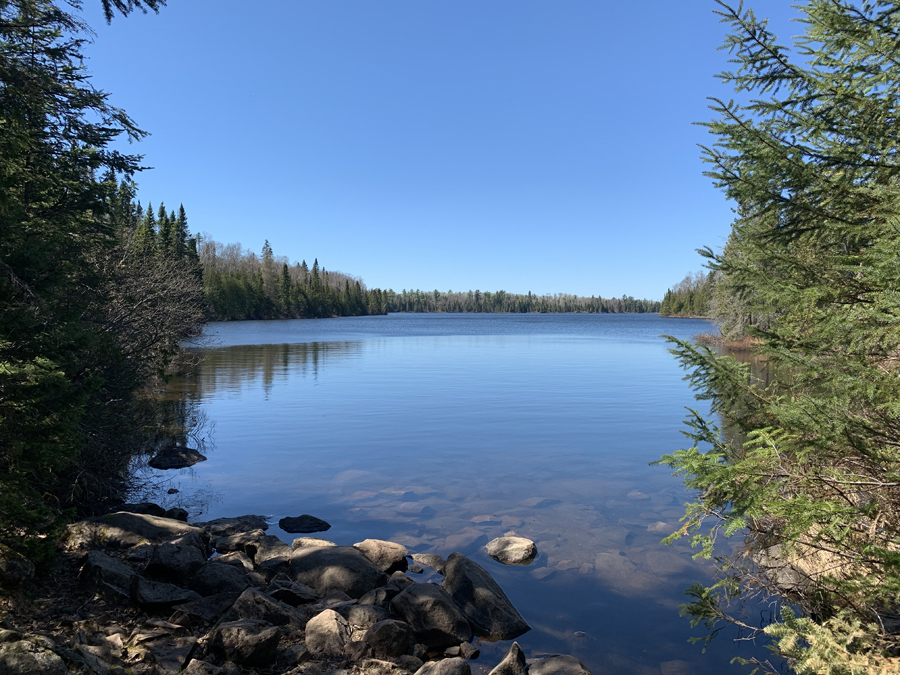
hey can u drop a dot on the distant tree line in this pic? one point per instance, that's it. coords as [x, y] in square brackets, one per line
[691, 297]
[501, 301]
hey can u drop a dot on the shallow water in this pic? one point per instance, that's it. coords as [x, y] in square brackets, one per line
[444, 431]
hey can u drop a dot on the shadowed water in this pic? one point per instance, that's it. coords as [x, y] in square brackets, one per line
[442, 432]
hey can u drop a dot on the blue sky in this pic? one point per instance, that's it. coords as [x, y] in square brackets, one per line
[499, 144]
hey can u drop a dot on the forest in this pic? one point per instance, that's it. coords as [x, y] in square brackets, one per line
[803, 465]
[690, 297]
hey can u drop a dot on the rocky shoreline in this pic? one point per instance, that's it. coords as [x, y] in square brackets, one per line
[223, 597]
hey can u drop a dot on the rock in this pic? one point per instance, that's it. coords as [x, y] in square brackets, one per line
[469, 651]
[99, 569]
[398, 582]
[481, 600]
[176, 457]
[310, 542]
[416, 569]
[124, 530]
[254, 604]
[327, 634]
[171, 653]
[25, 657]
[158, 594]
[177, 513]
[237, 559]
[237, 542]
[303, 524]
[433, 560]
[385, 555]
[513, 663]
[452, 651]
[265, 548]
[247, 642]
[454, 666]
[147, 508]
[174, 563]
[380, 597]
[273, 567]
[208, 609]
[389, 638]
[433, 616]
[335, 568]
[558, 664]
[225, 527]
[215, 578]
[15, 569]
[364, 616]
[292, 655]
[512, 550]
[197, 667]
[291, 593]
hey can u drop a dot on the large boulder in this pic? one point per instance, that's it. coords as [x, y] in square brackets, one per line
[431, 613]
[310, 542]
[27, 657]
[237, 541]
[158, 594]
[174, 563]
[225, 527]
[481, 600]
[327, 634]
[335, 568]
[254, 604]
[102, 573]
[292, 593]
[454, 666]
[215, 578]
[205, 610]
[266, 548]
[124, 530]
[513, 663]
[247, 642]
[512, 550]
[385, 555]
[558, 664]
[363, 616]
[147, 508]
[390, 638]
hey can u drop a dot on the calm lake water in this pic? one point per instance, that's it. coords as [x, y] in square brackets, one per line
[442, 432]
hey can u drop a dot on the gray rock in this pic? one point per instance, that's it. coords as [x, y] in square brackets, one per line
[398, 582]
[415, 569]
[512, 550]
[292, 656]
[481, 600]
[247, 642]
[208, 609]
[226, 527]
[171, 653]
[291, 592]
[385, 555]
[310, 542]
[513, 663]
[177, 513]
[558, 664]
[265, 548]
[237, 559]
[303, 524]
[215, 578]
[389, 638]
[335, 568]
[174, 563]
[274, 567]
[99, 569]
[364, 616]
[433, 616]
[158, 594]
[237, 542]
[198, 667]
[176, 457]
[254, 604]
[327, 634]
[25, 657]
[380, 597]
[124, 530]
[469, 651]
[433, 561]
[454, 666]
[147, 508]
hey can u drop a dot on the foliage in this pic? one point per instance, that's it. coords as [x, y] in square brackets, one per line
[690, 297]
[807, 466]
[501, 301]
[86, 319]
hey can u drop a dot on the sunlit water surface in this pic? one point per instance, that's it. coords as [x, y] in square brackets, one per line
[442, 432]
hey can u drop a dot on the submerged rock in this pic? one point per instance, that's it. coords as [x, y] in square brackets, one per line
[481, 600]
[303, 524]
[176, 457]
[512, 550]
[558, 664]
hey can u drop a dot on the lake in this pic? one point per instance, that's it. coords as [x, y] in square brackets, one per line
[442, 432]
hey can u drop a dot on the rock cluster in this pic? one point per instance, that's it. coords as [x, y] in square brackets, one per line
[223, 597]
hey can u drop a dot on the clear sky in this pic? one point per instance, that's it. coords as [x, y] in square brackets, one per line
[492, 144]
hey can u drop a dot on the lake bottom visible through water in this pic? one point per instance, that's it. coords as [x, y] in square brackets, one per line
[442, 432]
